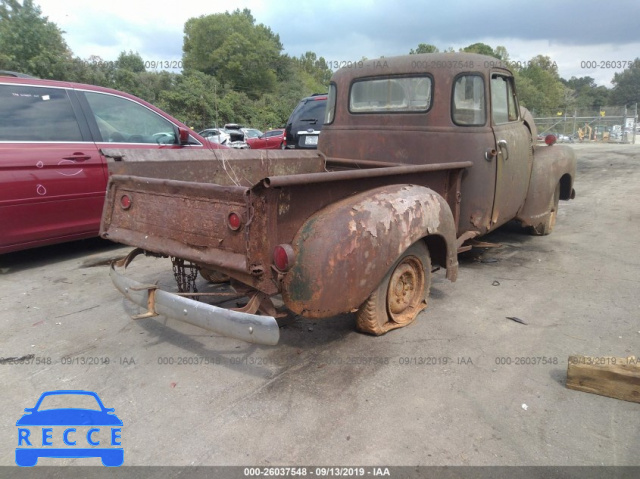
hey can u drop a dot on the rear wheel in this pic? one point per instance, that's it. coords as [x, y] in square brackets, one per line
[546, 226]
[401, 295]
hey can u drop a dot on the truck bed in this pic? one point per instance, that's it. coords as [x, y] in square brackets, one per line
[177, 202]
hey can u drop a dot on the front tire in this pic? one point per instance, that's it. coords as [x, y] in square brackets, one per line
[401, 295]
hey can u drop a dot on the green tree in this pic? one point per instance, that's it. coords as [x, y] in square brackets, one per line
[424, 48]
[231, 47]
[316, 67]
[131, 61]
[192, 98]
[587, 94]
[626, 89]
[539, 86]
[29, 42]
[482, 49]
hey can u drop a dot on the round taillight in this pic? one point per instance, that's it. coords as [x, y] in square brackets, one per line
[235, 221]
[283, 257]
[550, 139]
[125, 202]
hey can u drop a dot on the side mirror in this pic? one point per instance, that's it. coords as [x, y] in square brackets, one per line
[183, 136]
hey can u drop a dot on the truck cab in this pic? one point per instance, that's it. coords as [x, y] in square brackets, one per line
[431, 108]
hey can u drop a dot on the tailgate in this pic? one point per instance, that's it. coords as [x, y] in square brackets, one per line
[177, 202]
[178, 218]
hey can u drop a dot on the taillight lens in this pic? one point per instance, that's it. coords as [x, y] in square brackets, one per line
[550, 139]
[125, 202]
[234, 221]
[283, 257]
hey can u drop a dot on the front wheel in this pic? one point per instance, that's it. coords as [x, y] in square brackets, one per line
[401, 295]
[546, 226]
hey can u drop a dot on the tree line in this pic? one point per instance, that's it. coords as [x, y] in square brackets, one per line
[234, 70]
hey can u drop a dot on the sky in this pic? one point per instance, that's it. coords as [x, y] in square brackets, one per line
[577, 35]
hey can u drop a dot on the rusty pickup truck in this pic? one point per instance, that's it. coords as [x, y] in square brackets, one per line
[418, 155]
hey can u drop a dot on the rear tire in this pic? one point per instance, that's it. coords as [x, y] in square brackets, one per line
[401, 295]
[546, 226]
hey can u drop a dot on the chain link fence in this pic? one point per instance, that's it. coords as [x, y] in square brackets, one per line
[613, 124]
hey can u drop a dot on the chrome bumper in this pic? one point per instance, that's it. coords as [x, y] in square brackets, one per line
[233, 324]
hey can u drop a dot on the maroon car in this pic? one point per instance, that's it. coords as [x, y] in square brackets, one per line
[53, 176]
[270, 140]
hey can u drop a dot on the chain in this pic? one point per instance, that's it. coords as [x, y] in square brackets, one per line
[185, 275]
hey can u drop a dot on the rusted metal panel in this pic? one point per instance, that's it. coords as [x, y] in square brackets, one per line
[219, 167]
[364, 234]
[177, 218]
[553, 164]
[310, 178]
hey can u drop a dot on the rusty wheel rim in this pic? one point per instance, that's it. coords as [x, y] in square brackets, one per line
[405, 292]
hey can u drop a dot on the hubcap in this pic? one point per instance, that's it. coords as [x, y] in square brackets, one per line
[405, 291]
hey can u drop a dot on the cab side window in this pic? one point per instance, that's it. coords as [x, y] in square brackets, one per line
[503, 100]
[37, 114]
[468, 106]
[123, 121]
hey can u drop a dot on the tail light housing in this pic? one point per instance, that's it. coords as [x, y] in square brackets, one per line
[550, 139]
[283, 257]
[235, 221]
[125, 202]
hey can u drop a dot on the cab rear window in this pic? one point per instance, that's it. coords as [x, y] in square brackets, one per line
[36, 114]
[392, 94]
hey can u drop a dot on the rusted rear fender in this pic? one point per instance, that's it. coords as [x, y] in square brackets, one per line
[552, 165]
[343, 251]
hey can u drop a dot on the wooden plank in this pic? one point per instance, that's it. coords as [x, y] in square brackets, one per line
[607, 376]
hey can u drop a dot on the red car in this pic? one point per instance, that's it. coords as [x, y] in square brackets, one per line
[52, 175]
[270, 140]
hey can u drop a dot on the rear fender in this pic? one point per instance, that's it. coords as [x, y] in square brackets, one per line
[343, 252]
[551, 165]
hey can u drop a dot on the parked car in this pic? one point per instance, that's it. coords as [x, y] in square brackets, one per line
[53, 176]
[276, 137]
[216, 135]
[304, 124]
[271, 140]
[237, 136]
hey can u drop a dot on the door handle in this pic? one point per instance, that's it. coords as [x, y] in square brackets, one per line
[78, 156]
[502, 145]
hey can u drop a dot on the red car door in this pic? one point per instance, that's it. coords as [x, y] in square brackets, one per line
[122, 122]
[52, 178]
[274, 138]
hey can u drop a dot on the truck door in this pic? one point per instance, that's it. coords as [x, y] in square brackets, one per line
[513, 144]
